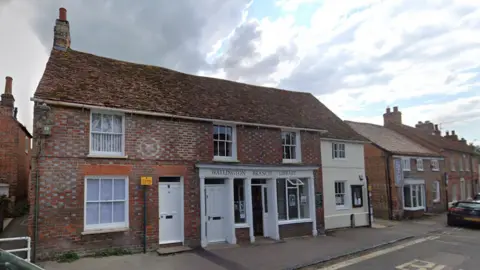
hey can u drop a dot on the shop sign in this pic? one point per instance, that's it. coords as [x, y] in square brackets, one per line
[146, 180]
[262, 173]
[397, 163]
[229, 172]
[287, 173]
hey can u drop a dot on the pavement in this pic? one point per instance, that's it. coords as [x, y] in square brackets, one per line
[289, 254]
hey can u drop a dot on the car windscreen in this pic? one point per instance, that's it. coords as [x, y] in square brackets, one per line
[467, 205]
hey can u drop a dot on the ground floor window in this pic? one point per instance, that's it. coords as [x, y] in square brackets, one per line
[292, 199]
[239, 201]
[106, 202]
[340, 198]
[436, 191]
[414, 196]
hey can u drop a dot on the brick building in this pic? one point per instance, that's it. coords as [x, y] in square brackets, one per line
[461, 166]
[406, 178]
[229, 162]
[14, 148]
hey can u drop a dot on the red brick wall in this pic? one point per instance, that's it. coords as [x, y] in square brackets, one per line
[375, 169]
[454, 177]
[242, 235]
[14, 162]
[295, 230]
[64, 164]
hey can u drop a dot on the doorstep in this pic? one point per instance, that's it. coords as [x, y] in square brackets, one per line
[164, 251]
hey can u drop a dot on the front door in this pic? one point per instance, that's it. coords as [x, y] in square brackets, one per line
[260, 209]
[214, 196]
[170, 203]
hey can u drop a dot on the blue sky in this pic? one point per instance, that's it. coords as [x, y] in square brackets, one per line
[356, 56]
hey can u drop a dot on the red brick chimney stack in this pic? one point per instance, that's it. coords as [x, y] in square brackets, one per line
[61, 39]
[7, 97]
[394, 117]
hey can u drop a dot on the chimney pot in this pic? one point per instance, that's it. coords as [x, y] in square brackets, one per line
[420, 122]
[447, 133]
[436, 127]
[453, 132]
[62, 14]
[395, 109]
[388, 110]
[8, 85]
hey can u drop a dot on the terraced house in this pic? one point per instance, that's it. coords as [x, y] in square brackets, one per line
[219, 161]
[460, 171]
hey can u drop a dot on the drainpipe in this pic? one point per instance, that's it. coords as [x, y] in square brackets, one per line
[37, 203]
[389, 185]
[369, 203]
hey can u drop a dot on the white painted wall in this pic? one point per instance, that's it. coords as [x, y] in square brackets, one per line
[349, 170]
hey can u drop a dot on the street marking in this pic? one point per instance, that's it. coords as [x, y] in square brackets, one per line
[448, 242]
[420, 265]
[377, 253]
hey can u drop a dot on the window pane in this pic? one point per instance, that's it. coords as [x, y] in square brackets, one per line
[96, 122]
[92, 213]
[106, 212]
[228, 131]
[284, 138]
[228, 150]
[292, 203]
[420, 195]
[406, 195]
[107, 123]
[118, 212]
[304, 199]
[93, 186]
[414, 196]
[221, 133]
[292, 153]
[117, 123]
[215, 132]
[106, 190]
[281, 201]
[119, 189]
[239, 201]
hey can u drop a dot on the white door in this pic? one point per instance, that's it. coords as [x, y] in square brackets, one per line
[214, 196]
[265, 210]
[170, 210]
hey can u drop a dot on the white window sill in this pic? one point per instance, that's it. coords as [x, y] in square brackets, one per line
[106, 156]
[435, 170]
[241, 225]
[340, 159]
[338, 207]
[223, 159]
[99, 231]
[294, 221]
[436, 201]
[419, 170]
[414, 208]
[290, 161]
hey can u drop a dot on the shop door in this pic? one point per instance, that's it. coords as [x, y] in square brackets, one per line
[170, 212]
[214, 196]
[260, 210]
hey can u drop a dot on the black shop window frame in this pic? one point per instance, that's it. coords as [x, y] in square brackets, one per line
[357, 189]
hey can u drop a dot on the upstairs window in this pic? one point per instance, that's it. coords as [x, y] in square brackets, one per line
[224, 142]
[291, 146]
[406, 164]
[467, 167]
[460, 164]
[434, 164]
[107, 134]
[419, 164]
[452, 164]
[338, 151]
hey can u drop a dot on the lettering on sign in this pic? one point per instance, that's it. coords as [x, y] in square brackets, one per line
[262, 173]
[288, 173]
[229, 172]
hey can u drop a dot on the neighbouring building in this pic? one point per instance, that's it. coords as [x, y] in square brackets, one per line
[14, 149]
[460, 169]
[406, 178]
[220, 161]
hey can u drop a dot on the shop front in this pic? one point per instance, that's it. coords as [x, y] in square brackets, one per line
[242, 203]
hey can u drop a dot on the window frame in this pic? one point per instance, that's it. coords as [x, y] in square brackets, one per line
[336, 152]
[297, 183]
[419, 164]
[452, 165]
[233, 157]
[345, 204]
[418, 188]
[106, 154]
[436, 191]
[467, 167]
[435, 164]
[406, 161]
[298, 147]
[107, 226]
[243, 181]
[460, 164]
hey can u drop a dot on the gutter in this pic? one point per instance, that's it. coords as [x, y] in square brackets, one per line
[168, 115]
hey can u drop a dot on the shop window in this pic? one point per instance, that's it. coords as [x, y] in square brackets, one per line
[292, 199]
[357, 196]
[106, 203]
[413, 196]
[340, 199]
[239, 201]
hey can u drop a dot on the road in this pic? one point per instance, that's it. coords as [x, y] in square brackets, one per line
[452, 249]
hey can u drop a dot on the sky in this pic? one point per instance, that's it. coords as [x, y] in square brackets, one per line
[356, 56]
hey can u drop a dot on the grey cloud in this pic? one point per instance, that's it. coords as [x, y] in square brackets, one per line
[174, 34]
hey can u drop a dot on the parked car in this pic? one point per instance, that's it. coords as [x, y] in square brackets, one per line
[9, 261]
[464, 213]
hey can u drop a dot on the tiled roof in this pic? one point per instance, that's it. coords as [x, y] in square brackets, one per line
[83, 78]
[390, 140]
[433, 141]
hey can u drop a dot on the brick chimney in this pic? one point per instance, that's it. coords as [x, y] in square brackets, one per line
[7, 97]
[394, 117]
[437, 132]
[61, 32]
[454, 136]
[462, 140]
[427, 126]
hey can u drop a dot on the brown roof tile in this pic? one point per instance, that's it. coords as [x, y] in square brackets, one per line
[436, 142]
[84, 78]
[390, 140]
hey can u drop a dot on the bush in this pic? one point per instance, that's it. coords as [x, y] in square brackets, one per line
[67, 257]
